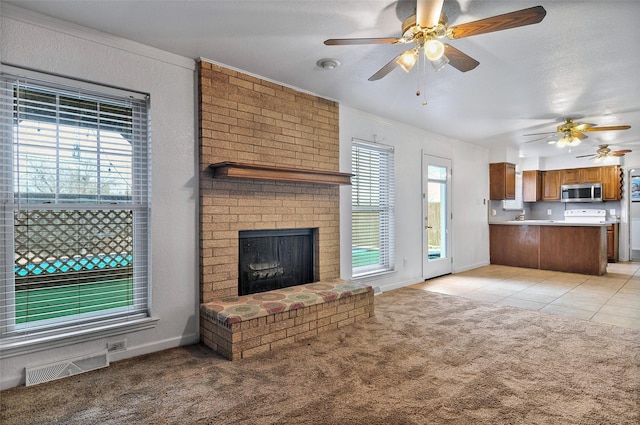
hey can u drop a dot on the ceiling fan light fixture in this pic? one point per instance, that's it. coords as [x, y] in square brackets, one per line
[574, 141]
[440, 63]
[568, 140]
[433, 49]
[408, 59]
[564, 141]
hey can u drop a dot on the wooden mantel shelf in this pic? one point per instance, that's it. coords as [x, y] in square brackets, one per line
[236, 170]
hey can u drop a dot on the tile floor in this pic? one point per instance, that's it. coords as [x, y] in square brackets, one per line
[613, 298]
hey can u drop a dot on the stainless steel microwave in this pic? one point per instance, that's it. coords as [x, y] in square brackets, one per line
[584, 192]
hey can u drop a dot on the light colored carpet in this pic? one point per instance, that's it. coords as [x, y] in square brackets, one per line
[424, 358]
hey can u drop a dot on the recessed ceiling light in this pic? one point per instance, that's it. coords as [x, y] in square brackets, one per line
[328, 63]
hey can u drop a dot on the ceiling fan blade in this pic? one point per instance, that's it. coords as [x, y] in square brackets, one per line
[585, 156]
[382, 72]
[354, 41]
[460, 61]
[578, 135]
[428, 12]
[621, 152]
[541, 138]
[532, 15]
[609, 128]
[541, 134]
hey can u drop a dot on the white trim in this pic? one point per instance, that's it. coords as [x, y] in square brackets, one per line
[37, 19]
[469, 267]
[126, 354]
[397, 285]
[18, 347]
[155, 346]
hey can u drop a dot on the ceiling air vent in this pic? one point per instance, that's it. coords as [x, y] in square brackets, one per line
[49, 372]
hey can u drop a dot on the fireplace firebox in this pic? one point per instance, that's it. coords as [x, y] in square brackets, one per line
[274, 259]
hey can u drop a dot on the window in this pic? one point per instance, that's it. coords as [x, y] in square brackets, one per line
[74, 193]
[372, 223]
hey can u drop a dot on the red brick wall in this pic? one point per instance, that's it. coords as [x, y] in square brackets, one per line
[249, 120]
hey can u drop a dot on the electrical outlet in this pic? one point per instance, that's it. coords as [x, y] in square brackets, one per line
[612, 211]
[493, 212]
[112, 347]
[549, 212]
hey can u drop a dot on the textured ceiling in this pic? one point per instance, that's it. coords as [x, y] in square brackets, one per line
[581, 61]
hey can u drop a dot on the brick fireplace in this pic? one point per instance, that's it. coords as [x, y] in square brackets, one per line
[244, 119]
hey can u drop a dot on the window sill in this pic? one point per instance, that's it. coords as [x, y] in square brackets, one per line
[373, 274]
[21, 345]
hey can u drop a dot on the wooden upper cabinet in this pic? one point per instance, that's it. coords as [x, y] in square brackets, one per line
[609, 176]
[591, 175]
[571, 176]
[612, 183]
[551, 185]
[582, 175]
[531, 186]
[502, 181]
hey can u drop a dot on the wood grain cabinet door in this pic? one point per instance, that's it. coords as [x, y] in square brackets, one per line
[591, 175]
[571, 176]
[551, 185]
[612, 182]
[502, 181]
[531, 186]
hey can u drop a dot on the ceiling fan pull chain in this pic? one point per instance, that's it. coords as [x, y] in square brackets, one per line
[419, 79]
[424, 81]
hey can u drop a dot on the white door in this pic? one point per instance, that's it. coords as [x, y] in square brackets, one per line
[436, 213]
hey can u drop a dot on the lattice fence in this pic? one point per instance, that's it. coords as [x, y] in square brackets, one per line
[62, 241]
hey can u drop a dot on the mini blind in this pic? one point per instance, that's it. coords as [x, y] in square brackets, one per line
[75, 205]
[372, 208]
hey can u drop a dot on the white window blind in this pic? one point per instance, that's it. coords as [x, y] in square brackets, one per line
[372, 208]
[74, 190]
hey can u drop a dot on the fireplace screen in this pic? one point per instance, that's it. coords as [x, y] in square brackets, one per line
[273, 259]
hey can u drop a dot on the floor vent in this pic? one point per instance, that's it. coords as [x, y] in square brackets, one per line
[49, 372]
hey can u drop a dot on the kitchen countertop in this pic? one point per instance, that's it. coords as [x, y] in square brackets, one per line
[549, 223]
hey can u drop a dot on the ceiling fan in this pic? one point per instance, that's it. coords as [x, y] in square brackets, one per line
[604, 152]
[424, 30]
[573, 132]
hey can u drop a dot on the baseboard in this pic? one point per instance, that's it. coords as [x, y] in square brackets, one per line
[471, 267]
[397, 285]
[155, 346]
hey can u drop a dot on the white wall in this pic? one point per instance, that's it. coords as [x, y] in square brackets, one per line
[470, 193]
[49, 45]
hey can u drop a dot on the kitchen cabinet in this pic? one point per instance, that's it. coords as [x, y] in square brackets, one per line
[591, 175]
[582, 175]
[571, 176]
[531, 186]
[612, 242]
[551, 185]
[612, 183]
[609, 176]
[502, 181]
[564, 248]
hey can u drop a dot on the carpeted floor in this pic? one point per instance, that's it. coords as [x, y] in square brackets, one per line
[424, 359]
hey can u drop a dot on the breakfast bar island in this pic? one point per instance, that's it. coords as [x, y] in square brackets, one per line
[550, 245]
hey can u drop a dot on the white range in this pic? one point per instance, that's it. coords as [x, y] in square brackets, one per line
[585, 216]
